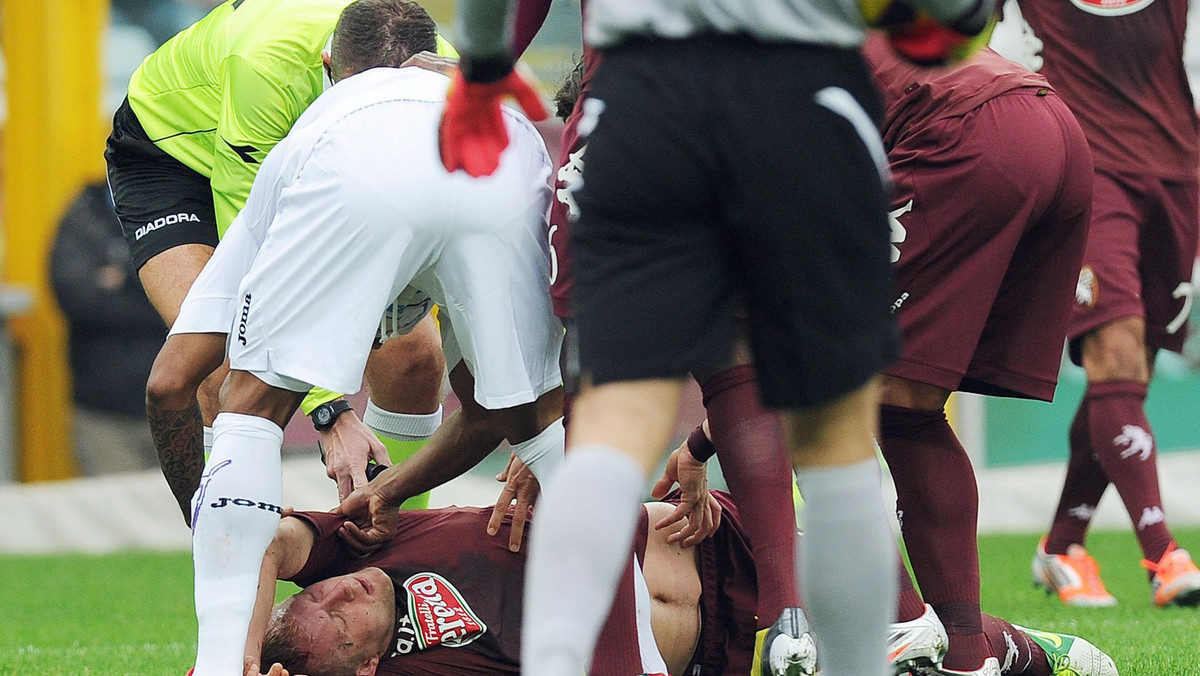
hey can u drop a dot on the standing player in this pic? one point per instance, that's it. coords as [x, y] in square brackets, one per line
[355, 194]
[748, 438]
[1119, 66]
[202, 113]
[689, 192]
[984, 291]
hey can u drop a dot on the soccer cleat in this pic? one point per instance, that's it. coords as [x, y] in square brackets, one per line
[991, 667]
[917, 646]
[1176, 578]
[788, 648]
[1070, 655]
[1074, 576]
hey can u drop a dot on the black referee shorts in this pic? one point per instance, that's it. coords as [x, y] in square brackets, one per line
[721, 166]
[161, 202]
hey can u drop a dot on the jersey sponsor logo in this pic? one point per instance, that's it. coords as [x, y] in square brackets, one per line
[1136, 440]
[162, 221]
[1151, 516]
[1112, 7]
[441, 616]
[1087, 289]
[241, 335]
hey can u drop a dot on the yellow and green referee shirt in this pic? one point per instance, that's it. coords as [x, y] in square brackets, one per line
[220, 94]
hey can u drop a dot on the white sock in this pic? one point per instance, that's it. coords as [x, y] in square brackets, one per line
[235, 514]
[208, 437]
[402, 426]
[543, 454]
[848, 567]
[585, 525]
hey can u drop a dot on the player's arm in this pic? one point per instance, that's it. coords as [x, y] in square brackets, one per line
[285, 558]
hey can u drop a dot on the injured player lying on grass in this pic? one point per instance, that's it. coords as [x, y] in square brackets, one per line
[444, 598]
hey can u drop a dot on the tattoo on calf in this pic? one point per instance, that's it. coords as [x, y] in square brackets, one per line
[179, 440]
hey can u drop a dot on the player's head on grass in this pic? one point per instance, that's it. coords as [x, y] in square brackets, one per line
[379, 34]
[341, 626]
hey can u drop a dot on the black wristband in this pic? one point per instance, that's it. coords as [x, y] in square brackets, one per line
[485, 71]
[699, 445]
[326, 414]
[374, 469]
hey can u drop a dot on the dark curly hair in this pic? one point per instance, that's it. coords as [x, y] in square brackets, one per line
[569, 91]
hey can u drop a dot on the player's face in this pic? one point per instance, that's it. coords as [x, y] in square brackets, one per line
[352, 614]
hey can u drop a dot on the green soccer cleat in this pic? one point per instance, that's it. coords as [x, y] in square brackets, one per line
[1071, 655]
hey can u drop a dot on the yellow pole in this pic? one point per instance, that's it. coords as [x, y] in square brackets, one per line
[53, 145]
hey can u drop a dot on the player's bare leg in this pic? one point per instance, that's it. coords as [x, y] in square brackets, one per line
[618, 434]
[176, 413]
[1111, 441]
[404, 376]
[237, 510]
[176, 420]
[936, 491]
[849, 547]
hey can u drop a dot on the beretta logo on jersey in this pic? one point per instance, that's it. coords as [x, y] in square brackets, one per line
[441, 615]
[1111, 7]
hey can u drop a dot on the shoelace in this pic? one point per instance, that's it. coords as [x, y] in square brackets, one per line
[1168, 565]
[1089, 570]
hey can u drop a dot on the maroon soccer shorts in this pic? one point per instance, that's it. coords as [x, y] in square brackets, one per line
[988, 227]
[1139, 257]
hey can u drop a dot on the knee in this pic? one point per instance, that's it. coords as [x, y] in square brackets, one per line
[172, 386]
[1117, 351]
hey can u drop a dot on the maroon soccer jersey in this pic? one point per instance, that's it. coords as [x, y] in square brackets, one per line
[458, 590]
[1119, 65]
[914, 96]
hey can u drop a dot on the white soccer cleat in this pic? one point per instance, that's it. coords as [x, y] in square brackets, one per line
[789, 649]
[917, 646]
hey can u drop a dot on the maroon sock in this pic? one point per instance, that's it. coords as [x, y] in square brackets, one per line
[938, 505]
[1124, 445]
[1017, 653]
[909, 604]
[1082, 489]
[753, 455]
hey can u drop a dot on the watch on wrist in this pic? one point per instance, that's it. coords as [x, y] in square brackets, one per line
[326, 414]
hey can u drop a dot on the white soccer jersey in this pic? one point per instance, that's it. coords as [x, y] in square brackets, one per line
[352, 208]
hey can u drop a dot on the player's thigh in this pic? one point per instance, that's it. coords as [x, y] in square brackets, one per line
[161, 204]
[405, 373]
[309, 307]
[808, 229]
[1021, 347]
[1168, 253]
[650, 265]
[168, 275]
[1109, 286]
[497, 305]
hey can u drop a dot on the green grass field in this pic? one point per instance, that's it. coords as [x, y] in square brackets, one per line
[132, 613]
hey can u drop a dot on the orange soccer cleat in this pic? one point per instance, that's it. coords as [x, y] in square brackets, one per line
[1074, 576]
[1176, 578]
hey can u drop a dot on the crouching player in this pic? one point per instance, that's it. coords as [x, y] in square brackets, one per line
[442, 598]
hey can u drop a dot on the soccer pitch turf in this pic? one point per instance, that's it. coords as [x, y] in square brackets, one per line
[131, 613]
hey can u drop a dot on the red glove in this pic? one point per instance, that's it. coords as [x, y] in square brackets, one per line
[925, 42]
[472, 133]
